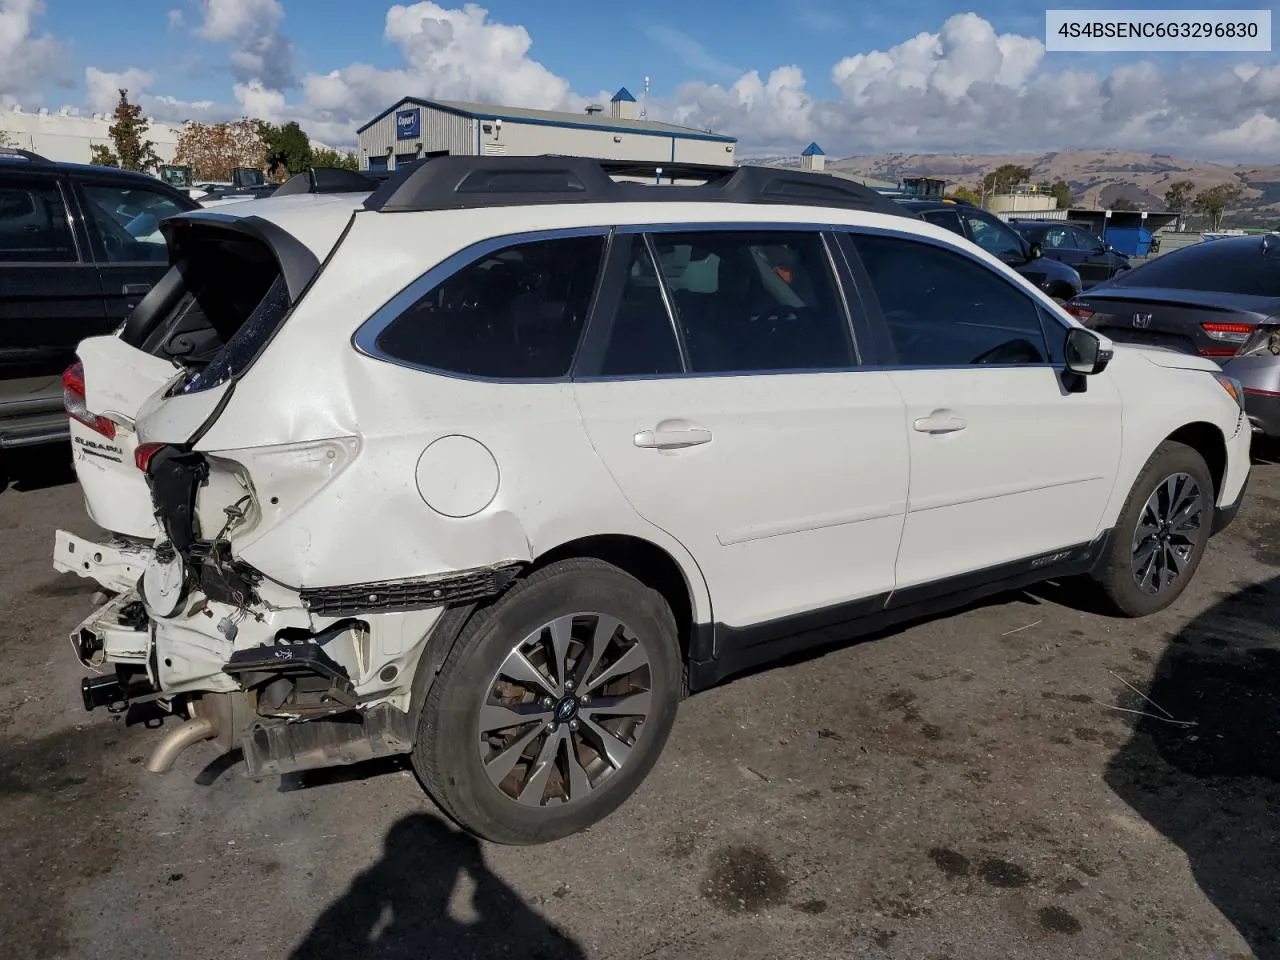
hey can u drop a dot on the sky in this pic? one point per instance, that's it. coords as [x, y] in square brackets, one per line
[856, 77]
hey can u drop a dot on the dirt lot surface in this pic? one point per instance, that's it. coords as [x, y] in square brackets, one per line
[964, 788]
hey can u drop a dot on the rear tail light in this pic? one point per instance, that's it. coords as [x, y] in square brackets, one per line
[1218, 351]
[1080, 311]
[1228, 332]
[1254, 391]
[77, 409]
[143, 453]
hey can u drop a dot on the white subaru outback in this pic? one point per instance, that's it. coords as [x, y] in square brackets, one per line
[493, 463]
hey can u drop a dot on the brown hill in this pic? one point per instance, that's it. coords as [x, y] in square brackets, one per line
[1097, 177]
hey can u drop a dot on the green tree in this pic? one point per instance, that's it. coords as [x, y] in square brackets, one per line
[1178, 197]
[967, 194]
[1061, 191]
[133, 151]
[1004, 178]
[1213, 203]
[100, 155]
[1123, 203]
[288, 147]
[334, 158]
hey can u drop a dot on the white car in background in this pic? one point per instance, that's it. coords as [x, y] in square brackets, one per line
[492, 464]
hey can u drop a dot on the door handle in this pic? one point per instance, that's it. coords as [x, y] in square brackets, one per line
[940, 422]
[136, 289]
[672, 435]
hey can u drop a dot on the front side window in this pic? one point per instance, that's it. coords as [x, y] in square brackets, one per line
[755, 301]
[1089, 242]
[124, 222]
[33, 224]
[944, 309]
[1059, 238]
[514, 314]
[994, 237]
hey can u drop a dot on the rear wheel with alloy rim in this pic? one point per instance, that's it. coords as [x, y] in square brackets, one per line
[553, 705]
[1161, 533]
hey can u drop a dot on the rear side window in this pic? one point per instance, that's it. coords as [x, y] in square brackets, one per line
[33, 224]
[749, 302]
[515, 314]
[1219, 266]
[944, 309]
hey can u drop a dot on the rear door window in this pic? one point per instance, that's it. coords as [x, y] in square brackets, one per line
[642, 337]
[755, 302]
[515, 314]
[33, 223]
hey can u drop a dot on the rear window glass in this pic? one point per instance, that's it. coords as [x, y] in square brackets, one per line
[33, 225]
[1215, 266]
[515, 314]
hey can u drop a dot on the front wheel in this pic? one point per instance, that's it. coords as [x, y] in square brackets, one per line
[1162, 532]
[553, 705]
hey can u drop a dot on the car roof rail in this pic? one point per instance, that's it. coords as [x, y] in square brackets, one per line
[466, 182]
[327, 180]
[23, 155]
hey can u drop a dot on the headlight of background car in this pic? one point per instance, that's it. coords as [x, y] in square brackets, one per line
[1233, 387]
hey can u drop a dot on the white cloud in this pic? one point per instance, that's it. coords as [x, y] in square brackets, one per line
[234, 19]
[102, 88]
[27, 61]
[176, 19]
[263, 54]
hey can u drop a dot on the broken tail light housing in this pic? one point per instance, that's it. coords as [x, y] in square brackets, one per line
[143, 453]
[77, 409]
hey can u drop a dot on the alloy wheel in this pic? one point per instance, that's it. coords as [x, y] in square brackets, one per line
[1168, 530]
[565, 709]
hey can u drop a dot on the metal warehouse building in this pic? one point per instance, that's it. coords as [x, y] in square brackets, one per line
[414, 127]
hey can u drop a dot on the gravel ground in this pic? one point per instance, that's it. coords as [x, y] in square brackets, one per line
[963, 788]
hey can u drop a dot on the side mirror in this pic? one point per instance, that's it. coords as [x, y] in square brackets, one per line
[1085, 353]
[1037, 251]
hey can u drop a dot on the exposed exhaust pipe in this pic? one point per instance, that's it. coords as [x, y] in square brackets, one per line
[193, 731]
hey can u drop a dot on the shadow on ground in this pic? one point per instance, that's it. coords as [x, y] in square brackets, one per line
[1214, 788]
[37, 468]
[400, 908]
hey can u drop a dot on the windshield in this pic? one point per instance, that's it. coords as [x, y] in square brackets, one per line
[1221, 266]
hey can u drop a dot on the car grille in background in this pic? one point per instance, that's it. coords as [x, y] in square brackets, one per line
[464, 587]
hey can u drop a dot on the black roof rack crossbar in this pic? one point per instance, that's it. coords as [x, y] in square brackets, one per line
[24, 154]
[469, 182]
[327, 180]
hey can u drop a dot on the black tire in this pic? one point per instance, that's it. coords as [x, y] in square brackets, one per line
[446, 753]
[1116, 576]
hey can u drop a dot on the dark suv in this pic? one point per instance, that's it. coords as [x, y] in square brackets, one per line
[79, 247]
[1001, 241]
[1092, 257]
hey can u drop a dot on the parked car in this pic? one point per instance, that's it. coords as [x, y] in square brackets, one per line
[1207, 298]
[1083, 250]
[490, 464]
[80, 246]
[1058, 280]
